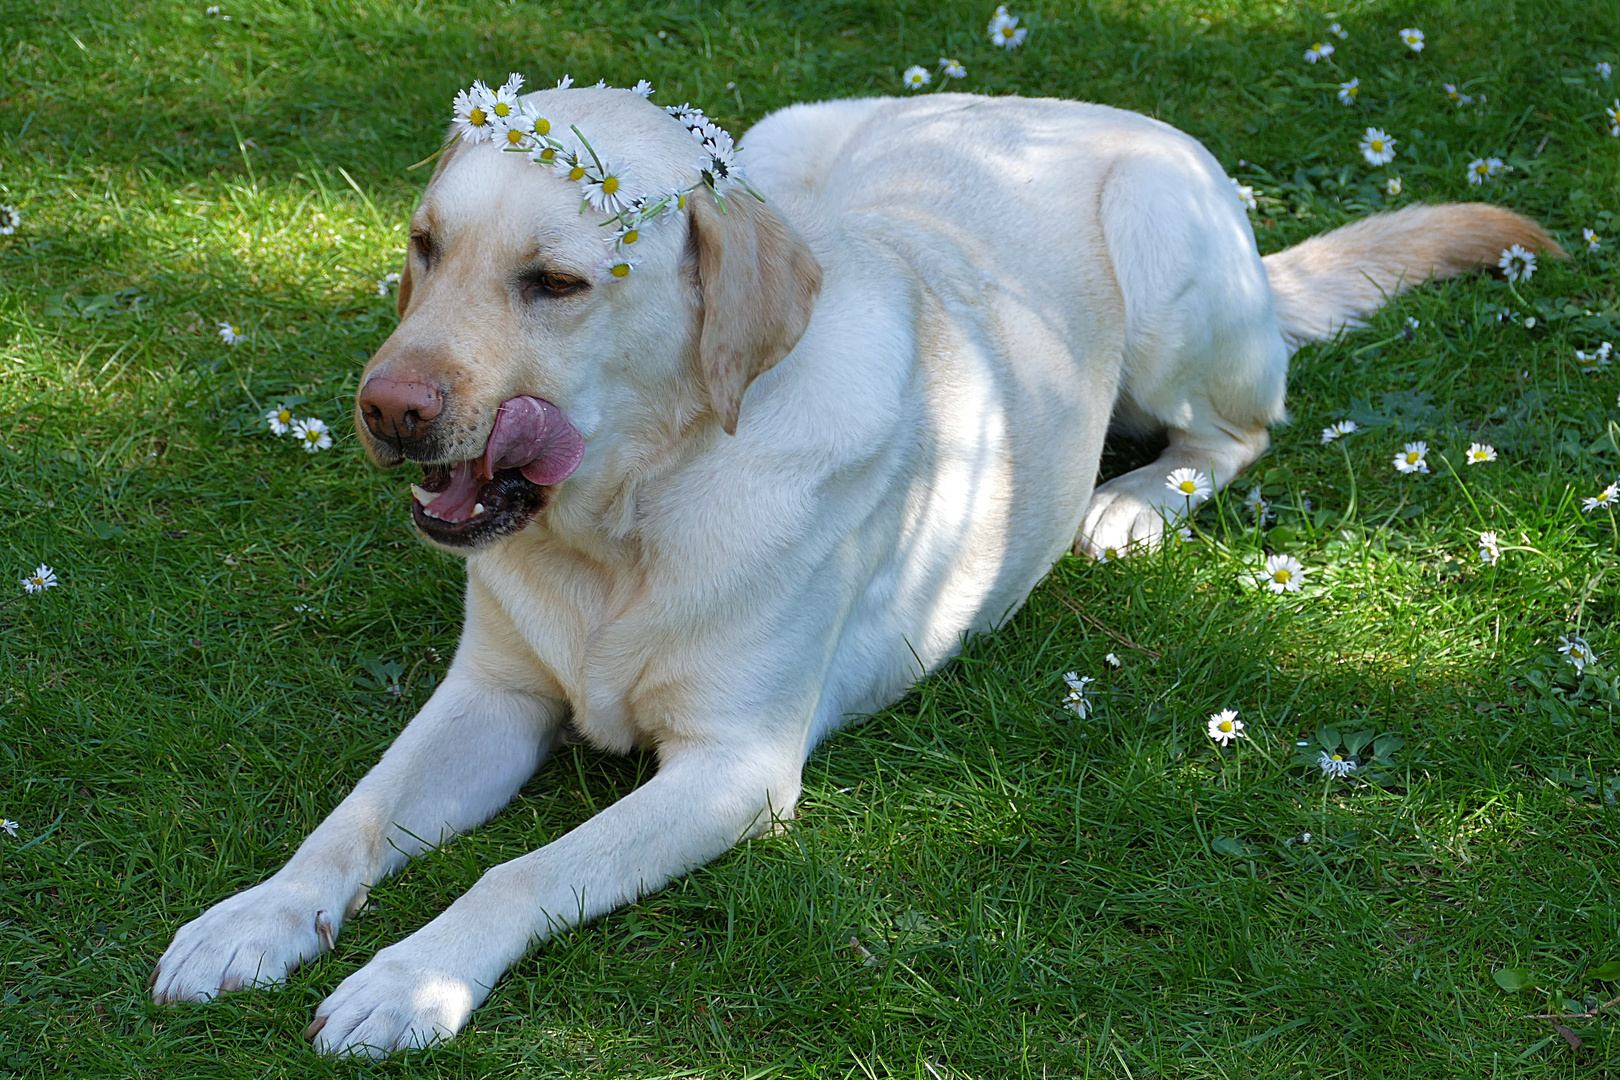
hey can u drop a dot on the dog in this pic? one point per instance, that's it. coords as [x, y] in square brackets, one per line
[827, 425]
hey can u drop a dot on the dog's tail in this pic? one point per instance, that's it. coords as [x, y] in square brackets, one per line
[1336, 280]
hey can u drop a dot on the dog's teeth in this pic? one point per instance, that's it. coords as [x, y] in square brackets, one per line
[478, 508]
[423, 495]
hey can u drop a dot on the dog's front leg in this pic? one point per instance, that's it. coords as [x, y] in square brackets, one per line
[422, 989]
[461, 759]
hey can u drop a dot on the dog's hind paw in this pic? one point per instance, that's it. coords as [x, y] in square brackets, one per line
[255, 938]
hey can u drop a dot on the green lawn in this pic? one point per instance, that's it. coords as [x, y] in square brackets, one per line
[240, 627]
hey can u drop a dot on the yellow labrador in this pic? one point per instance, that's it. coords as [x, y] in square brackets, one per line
[768, 480]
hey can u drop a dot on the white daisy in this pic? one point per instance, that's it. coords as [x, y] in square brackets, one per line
[10, 220]
[473, 118]
[1109, 554]
[1456, 96]
[1596, 360]
[8, 825]
[1075, 700]
[515, 131]
[504, 105]
[1411, 458]
[1614, 117]
[41, 579]
[1284, 574]
[1338, 31]
[1593, 240]
[230, 334]
[1392, 186]
[619, 264]
[570, 165]
[1334, 767]
[312, 433]
[723, 164]
[1258, 507]
[1411, 323]
[1245, 195]
[952, 69]
[916, 77]
[1005, 31]
[1603, 69]
[1602, 500]
[1224, 726]
[1488, 550]
[1377, 147]
[642, 87]
[1338, 429]
[1191, 484]
[1412, 39]
[1111, 660]
[280, 419]
[1348, 91]
[608, 189]
[1483, 169]
[1479, 453]
[1318, 51]
[1576, 650]
[1517, 264]
[565, 82]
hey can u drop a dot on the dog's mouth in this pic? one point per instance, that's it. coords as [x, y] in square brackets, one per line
[532, 448]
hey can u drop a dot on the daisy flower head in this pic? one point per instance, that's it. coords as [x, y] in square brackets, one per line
[1603, 500]
[1075, 700]
[569, 164]
[1225, 726]
[474, 118]
[1245, 195]
[10, 220]
[1283, 574]
[1593, 240]
[1517, 264]
[1318, 51]
[1411, 459]
[1338, 31]
[607, 189]
[1412, 39]
[1456, 96]
[1603, 69]
[642, 87]
[1259, 508]
[1392, 186]
[230, 334]
[1338, 429]
[565, 82]
[1334, 766]
[280, 419]
[8, 825]
[1109, 554]
[1489, 552]
[514, 131]
[1479, 453]
[1348, 91]
[1576, 651]
[1483, 169]
[41, 579]
[1596, 360]
[1614, 117]
[504, 104]
[1112, 660]
[1191, 484]
[916, 77]
[619, 265]
[952, 69]
[722, 165]
[1004, 30]
[1377, 147]
[312, 434]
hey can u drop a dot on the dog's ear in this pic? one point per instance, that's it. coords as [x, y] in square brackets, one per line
[759, 282]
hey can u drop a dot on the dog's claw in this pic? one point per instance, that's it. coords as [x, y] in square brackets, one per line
[151, 980]
[314, 1028]
[323, 928]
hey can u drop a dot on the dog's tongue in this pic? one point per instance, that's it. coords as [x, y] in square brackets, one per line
[533, 435]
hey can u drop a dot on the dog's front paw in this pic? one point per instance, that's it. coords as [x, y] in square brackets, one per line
[253, 939]
[404, 998]
[1127, 513]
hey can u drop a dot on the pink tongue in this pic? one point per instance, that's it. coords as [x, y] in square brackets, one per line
[534, 436]
[529, 434]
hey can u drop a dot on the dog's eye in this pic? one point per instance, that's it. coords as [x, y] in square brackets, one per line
[549, 283]
[422, 246]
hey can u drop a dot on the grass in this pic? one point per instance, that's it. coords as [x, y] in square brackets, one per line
[241, 628]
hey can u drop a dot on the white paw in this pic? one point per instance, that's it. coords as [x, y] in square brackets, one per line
[253, 939]
[1129, 513]
[406, 997]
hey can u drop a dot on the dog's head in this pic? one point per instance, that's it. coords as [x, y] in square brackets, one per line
[520, 361]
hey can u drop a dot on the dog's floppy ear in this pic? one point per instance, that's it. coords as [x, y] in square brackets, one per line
[759, 284]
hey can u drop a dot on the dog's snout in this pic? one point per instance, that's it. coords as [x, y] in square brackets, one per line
[400, 409]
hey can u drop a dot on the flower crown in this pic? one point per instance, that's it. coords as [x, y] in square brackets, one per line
[482, 114]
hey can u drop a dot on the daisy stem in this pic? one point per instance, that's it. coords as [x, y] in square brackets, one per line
[587, 145]
[431, 158]
[1466, 493]
[1349, 467]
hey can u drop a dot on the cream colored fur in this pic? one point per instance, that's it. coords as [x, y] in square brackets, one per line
[826, 436]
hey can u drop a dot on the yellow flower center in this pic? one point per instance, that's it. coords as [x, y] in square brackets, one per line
[1351, 91]
[1110, 553]
[1225, 725]
[502, 109]
[1188, 487]
[577, 173]
[284, 416]
[1337, 757]
[542, 126]
[1482, 168]
[1007, 31]
[1317, 47]
[1378, 146]
[610, 184]
[1412, 458]
[478, 117]
[1282, 577]
[548, 154]
[630, 237]
[514, 136]
[621, 269]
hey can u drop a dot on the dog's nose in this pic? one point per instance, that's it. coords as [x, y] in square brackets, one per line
[400, 409]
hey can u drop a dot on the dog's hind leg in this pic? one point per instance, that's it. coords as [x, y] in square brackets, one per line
[1204, 360]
